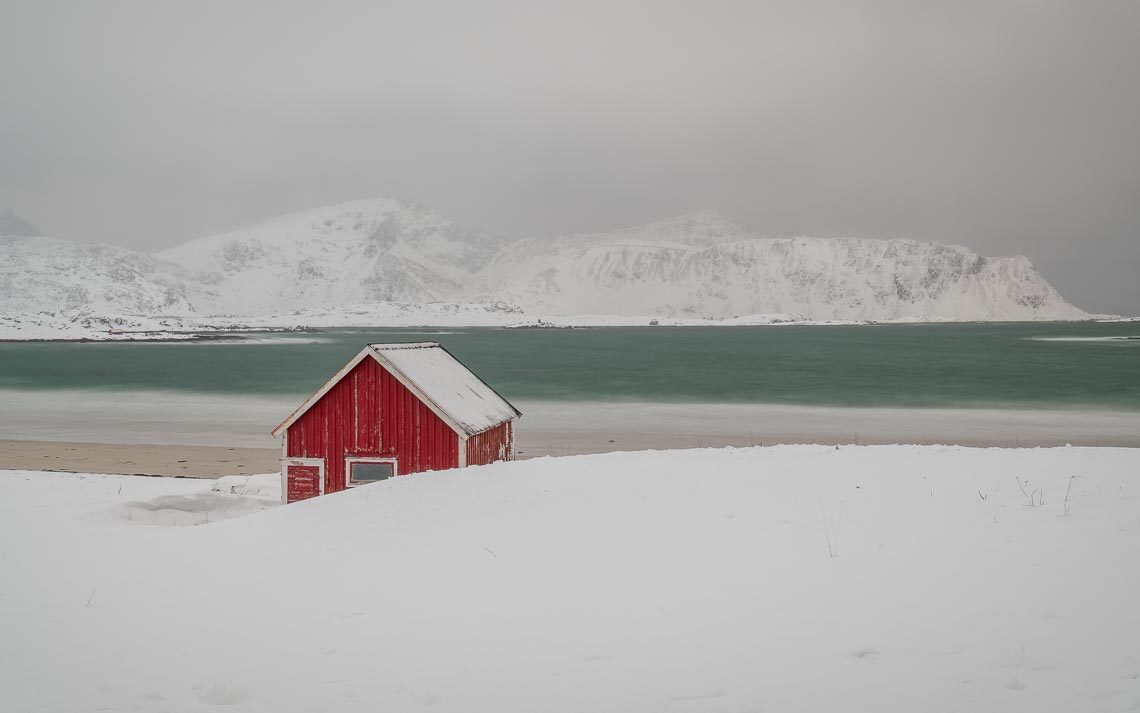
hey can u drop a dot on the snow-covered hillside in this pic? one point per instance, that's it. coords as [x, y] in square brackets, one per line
[12, 224]
[363, 251]
[388, 252]
[796, 578]
[704, 266]
[48, 275]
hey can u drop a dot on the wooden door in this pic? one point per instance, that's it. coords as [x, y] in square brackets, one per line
[303, 482]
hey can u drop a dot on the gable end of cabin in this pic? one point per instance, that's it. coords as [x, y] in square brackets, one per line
[368, 413]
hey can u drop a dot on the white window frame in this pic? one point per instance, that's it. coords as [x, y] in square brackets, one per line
[286, 462]
[349, 460]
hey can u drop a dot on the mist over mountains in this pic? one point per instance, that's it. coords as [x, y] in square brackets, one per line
[12, 224]
[700, 265]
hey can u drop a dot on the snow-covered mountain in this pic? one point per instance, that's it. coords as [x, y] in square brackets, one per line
[12, 224]
[48, 275]
[696, 266]
[702, 265]
[361, 251]
[39, 274]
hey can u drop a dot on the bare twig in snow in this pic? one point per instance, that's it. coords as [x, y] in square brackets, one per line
[1034, 499]
[832, 539]
[1069, 491]
[838, 522]
[826, 532]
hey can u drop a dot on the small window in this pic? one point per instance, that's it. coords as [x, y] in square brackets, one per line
[362, 472]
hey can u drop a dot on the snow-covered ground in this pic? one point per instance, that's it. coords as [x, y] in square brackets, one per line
[1116, 318]
[794, 578]
[17, 326]
[100, 327]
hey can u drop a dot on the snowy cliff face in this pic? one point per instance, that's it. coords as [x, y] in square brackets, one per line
[362, 251]
[49, 275]
[703, 266]
[698, 265]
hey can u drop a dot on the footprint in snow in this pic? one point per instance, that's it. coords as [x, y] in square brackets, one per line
[698, 696]
[221, 695]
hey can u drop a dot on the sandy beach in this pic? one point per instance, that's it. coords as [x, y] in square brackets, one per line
[551, 428]
[203, 436]
[136, 459]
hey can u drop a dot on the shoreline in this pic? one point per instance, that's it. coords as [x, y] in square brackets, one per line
[552, 428]
[233, 327]
[165, 460]
[200, 445]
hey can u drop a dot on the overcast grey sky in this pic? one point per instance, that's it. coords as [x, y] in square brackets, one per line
[1009, 127]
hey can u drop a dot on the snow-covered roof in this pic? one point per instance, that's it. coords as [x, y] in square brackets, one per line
[443, 379]
[459, 397]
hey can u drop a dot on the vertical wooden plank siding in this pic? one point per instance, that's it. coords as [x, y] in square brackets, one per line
[494, 444]
[370, 413]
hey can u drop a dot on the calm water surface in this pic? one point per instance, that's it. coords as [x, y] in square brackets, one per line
[945, 365]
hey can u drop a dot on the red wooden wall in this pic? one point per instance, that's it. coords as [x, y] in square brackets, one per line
[370, 413]
[491, 445]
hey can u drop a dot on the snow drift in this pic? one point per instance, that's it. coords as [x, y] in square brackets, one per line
[802, 578]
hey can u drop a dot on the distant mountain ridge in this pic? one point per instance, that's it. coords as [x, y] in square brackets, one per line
[384, 250]
[12, 224]
[361, 251]
[701, 268]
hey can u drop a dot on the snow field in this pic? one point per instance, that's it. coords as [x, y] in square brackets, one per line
[888, 578]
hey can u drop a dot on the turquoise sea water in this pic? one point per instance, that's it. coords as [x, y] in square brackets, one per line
[942, 365]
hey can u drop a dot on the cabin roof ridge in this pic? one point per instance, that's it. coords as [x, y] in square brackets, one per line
[404, 345]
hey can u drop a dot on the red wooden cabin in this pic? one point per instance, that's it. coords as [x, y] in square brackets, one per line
[394, 409]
